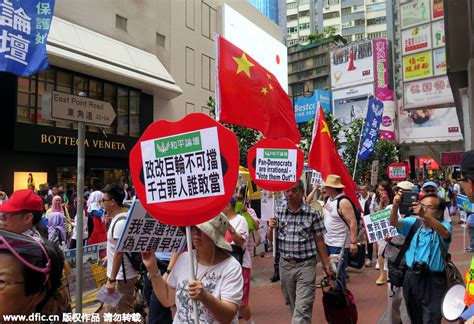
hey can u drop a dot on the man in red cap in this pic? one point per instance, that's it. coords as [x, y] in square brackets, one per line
[21, 213]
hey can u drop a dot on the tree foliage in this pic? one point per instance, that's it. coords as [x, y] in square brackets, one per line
[307, 132]
[386, 152]
[247, 137]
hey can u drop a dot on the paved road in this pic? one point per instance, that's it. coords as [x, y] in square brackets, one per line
[267, 303]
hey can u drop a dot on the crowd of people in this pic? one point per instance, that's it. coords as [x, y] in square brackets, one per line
[36, 227]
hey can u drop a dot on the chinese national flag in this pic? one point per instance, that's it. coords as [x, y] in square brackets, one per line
[248, 95]
[323, 156]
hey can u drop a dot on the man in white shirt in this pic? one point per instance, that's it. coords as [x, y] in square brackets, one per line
[365, 200]
[120, 273]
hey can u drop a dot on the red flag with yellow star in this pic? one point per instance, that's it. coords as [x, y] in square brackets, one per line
[324, 157]
[248, 95]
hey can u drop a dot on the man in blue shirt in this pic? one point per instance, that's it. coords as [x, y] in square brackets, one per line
[425, 281]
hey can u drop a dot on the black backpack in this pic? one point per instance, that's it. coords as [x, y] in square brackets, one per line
[135, 258]
[357, 213]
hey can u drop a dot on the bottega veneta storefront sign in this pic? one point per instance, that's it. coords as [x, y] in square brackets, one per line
[31, 138]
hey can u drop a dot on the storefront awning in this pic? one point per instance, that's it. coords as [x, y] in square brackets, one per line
[83, 50]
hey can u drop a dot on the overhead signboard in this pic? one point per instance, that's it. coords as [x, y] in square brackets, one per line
[305, 107]
[352, 65]
[429, 125]
[351, 103]
[437, 29]
[427, 93]
[451, 158]
[437, 10]
[387, 126]
[381, 64]
[67, 107]
[415, 13]
[270, 52]
[439, 61]
[417, 66]
[416, 39]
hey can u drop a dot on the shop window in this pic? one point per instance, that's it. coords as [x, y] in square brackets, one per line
[122, 111]
[126, 101]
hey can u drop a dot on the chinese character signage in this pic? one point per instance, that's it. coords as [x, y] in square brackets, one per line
[144, 233]
[451, 158]
[381, 59]
[182, 166]
[185, 172]
[316, 177]
[437, 28]
[275, 165]
[437, 9]
[377, 226]
[397, 171]
[427, 93]
[24, 28]
[417, 66]
[416, 39]
[371, 128]
[464, 203]
[414, 13]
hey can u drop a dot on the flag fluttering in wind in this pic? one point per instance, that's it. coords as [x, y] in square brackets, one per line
[323, 156]
[249, 95]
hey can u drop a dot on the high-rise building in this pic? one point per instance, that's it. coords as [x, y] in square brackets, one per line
[273, 9]
[353, 19]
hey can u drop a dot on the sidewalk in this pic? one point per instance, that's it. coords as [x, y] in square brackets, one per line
[268, 306]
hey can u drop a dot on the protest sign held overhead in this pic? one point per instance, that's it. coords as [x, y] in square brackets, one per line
[398, 171]
[185, 172]
[316, 177]
[144, 233]
[377, 226]
[275, 165]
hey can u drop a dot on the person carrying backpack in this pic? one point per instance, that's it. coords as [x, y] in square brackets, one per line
[120, 271]
[340, 221]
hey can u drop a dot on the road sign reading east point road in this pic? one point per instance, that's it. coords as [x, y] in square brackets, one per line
[64, 106]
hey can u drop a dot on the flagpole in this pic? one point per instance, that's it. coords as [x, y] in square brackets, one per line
[360, 138]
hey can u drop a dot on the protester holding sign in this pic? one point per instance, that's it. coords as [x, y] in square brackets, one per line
[218, 285]
[120, 273]
[300, 231]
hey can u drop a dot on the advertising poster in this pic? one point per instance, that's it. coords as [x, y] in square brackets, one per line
[437, 28]
[381, 61]
[352, 65]
[417, 66]
[429, 125]
[416, 39]
[437, 9]
[414, 13]
[387, 126]
[427, 93]
[350, 104]
[305, 108]
[21, 180]
[439, 61]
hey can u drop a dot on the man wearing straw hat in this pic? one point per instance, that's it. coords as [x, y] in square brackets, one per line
[299, 230]
[340, 221]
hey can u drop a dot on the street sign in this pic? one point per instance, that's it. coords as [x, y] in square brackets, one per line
[63, 106]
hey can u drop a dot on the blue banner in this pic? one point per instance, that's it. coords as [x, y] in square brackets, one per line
[370, 132]
[24, 28]
[463, 202]
[305, 107]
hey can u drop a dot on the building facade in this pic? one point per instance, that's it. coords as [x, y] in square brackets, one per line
[273, 9]
[150, 59]
[353, 19]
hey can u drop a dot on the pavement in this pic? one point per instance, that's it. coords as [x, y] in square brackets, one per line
[268, 306]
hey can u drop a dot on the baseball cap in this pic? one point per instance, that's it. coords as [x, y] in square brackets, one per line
[23, 199]
[467, 162]
[233, 201]
[429, 184]
[405, 185]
